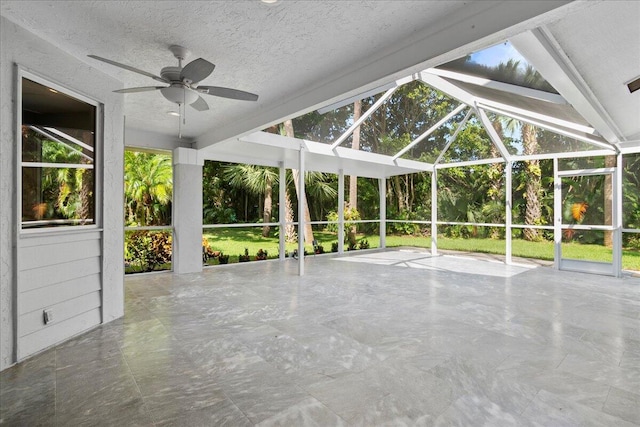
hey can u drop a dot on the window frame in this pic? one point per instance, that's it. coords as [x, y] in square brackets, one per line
[23, 73]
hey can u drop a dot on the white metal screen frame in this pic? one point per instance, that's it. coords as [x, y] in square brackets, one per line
[613, 268]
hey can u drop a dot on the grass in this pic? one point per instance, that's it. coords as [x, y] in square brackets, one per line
[233, 241]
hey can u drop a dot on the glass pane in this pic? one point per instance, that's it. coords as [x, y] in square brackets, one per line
[57, 196]
[57, 129]
[412, 110]
[472, 143]
[57, 145]
[583, 200]
[503, 63]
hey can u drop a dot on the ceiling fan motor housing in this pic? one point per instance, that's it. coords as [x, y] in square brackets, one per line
[171, 73]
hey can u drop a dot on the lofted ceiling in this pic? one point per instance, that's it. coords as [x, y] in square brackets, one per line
[301, 55]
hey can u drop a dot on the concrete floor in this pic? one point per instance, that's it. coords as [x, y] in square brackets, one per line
[376, 338]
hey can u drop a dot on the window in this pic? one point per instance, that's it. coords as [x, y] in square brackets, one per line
[57, 158]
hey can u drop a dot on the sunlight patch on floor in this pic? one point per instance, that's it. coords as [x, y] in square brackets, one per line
[453, 263]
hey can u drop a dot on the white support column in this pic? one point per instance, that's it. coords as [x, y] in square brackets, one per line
[341, 211]
[187, 211]
[382, 189]
[617, 217]
[434, 212]
[557, 216]
[282, 206]
[508, 207]
[301, 207]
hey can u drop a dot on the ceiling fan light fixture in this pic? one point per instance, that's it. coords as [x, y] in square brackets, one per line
[269, 1]
[173, 113]
[179, 94]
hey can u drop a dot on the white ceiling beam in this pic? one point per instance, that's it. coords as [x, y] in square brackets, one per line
[567, 155]
[477, 24]
[537, 116]
[470, 163]
[504, 87]
[450, 89]
[546, 55]
[284, 147]
[493, 135]
[364, 116]
[551, 127]
[429, 131]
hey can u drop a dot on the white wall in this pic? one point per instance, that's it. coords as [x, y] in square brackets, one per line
[41, 58]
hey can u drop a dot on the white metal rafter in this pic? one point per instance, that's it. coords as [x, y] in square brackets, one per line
[495, 138]
[454, 136]
[429, 131]
[364, 116]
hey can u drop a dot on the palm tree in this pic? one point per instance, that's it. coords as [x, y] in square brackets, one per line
[255, 180]
[287, 129]
[148, 187]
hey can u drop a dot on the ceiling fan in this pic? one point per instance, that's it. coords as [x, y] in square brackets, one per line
[184, 82]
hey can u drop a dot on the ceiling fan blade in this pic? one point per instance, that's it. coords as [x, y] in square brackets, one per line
[197, 70]
[130, 68]
[226, 92]
[138, 89]
[200, 104]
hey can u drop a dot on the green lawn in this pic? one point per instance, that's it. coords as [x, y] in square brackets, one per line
[233, 241]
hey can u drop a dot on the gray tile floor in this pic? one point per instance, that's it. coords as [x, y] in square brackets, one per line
[379, 338]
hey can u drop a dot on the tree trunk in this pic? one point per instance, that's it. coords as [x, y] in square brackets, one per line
[533, 211]
[308, 230]
[266, 212]
[289, 229]
[399, 193]
[609, 162]
[353, 180]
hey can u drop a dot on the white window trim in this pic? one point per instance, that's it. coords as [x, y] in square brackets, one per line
[22, 72]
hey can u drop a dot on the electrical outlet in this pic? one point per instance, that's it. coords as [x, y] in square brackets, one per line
[47, 316]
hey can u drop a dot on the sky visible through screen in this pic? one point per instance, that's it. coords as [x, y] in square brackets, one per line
[494, 55]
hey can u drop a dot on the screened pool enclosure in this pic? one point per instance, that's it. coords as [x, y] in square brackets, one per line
[506, 107]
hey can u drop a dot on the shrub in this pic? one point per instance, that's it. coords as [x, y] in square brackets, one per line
[145, 251]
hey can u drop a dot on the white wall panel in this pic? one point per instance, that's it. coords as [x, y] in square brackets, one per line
[38, 265]
[33, 321]
[38, 299]
[44, 338]
[45, 255]
[50, 275]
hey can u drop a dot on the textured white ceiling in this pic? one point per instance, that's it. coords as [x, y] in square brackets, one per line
[602, 42]
[291, 51]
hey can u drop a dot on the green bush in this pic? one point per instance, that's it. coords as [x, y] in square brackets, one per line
[146, 251]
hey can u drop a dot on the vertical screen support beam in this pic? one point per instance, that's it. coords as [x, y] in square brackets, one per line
[508, 207]
[434, 212]
[301, 208]
[282, 206]
[382, 189]
[557, 216]
[341, 211]
[617, 217]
